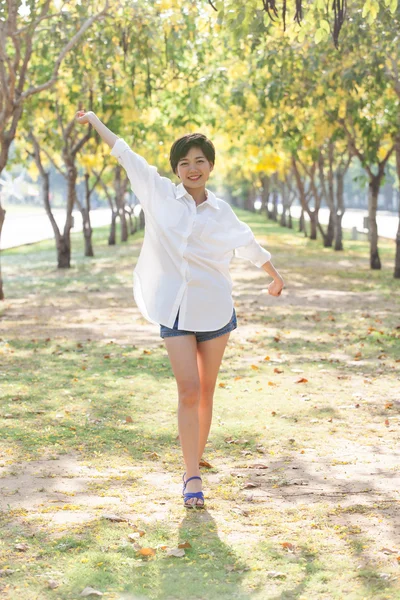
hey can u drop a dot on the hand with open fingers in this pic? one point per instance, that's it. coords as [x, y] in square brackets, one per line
[275, 287]
[82, 116]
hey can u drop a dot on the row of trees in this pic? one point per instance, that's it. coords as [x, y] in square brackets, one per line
[286, 109]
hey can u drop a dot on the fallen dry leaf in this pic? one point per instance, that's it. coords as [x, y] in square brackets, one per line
[239, 511]
[290, 547]
[184, 545]
[302, 380]
[89, 591]
[276, 370]
[114, 518]
[21, 547]
[146, 551]
[254, 367]
[204, 463]
[128, 420]
[177, 552]
[153, 455]
[267, 358]
[276, 574]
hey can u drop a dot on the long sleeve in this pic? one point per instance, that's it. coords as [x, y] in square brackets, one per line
[246, 246]
[254, 253]
[142, 176]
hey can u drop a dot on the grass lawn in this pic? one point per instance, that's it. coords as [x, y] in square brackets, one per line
[302, 491]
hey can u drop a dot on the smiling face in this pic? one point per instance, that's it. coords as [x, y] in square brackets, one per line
[194, 169]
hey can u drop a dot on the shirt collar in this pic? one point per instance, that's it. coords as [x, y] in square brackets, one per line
[211, 197]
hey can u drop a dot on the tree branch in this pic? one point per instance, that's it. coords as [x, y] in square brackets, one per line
[61, 56]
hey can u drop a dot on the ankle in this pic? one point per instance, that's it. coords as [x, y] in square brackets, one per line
[193, 473]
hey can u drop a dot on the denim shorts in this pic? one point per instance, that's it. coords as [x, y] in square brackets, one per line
[201, 336]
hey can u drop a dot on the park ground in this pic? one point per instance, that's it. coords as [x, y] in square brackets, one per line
[302, 483]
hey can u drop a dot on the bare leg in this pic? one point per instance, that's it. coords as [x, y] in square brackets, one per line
[182, 352]
[209, 357]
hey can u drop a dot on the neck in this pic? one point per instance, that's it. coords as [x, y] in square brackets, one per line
[199, 194]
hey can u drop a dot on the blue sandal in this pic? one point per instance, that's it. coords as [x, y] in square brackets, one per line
[188, 495]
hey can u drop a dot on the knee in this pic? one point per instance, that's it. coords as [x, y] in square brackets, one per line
[207, 391]
[189, 393]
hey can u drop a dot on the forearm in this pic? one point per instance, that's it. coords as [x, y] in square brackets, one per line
[270, 269]
[106, 134]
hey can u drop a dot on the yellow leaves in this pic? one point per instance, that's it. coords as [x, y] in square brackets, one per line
[33, 171]
[385, 146]
[322, 33]
[342, 109]
[370, 10]
[90, 161]
[166, 4]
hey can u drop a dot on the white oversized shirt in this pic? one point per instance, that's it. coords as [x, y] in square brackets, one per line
[186, 252]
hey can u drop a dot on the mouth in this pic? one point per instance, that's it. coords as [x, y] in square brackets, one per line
[194, 178]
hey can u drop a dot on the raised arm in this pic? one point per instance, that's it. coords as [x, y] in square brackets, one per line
[106, 134]
[144, 178]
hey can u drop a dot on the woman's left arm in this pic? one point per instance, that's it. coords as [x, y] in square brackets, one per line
[276, 286]
[248, 248]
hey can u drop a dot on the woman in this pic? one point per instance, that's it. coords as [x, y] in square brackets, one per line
[182, 280]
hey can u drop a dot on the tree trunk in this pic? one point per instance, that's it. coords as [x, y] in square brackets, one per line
[301, 221]
[112, 236]
[264, 193]
[313, 225]
[339, 208]
[397, 257]
[64, 243]
[142, 219]
[275, 204]
[120, 202]
[330, 232]
[290, 224]
[5, 143]
[87, 226]
[2, 217]
[373, 191]
[132, 223]
[284, 204]
[63, 251]
[339, 232]
[87, 232]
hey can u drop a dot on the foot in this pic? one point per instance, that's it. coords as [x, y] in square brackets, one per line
[194, 485]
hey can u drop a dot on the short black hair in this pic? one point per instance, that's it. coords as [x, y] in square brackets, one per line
[182, 145]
